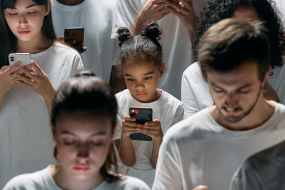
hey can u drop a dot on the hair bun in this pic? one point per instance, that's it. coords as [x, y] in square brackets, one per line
[124, 35]
[152, 31]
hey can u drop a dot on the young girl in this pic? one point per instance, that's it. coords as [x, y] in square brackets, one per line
[83, 123]
[141, 60]
[26, 96]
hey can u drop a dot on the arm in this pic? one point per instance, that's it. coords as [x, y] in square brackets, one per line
[152, 10]
[155, 150]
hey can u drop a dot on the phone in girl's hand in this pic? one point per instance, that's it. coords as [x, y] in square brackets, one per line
[24, 58]
[142, 115]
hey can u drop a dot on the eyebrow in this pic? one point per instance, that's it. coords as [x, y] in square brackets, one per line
[142, 74]
[70, 133]
[31, 6]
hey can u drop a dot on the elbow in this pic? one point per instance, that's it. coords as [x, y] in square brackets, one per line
[128, 163]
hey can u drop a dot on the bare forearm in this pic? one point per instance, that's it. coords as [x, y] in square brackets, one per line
[126, 151]
[1, 101]
[139, 25]
[49, 100]
[155, 150]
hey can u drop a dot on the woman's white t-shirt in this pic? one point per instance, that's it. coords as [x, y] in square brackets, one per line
[195, 94]
[96, 17]
[41, 180]
[167, 109]
[26, 143]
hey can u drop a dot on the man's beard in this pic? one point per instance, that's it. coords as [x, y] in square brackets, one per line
[236, 119]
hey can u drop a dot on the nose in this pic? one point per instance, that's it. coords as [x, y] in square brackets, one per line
[140, 86]
[83, 150]
[22, 20]
[232, 100]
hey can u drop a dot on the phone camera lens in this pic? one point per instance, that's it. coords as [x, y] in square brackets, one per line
[68, 33]
[74, 34]
[12, 58]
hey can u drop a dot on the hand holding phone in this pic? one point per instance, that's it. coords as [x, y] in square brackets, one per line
[23, 58]
[75, 38]
[7, 79]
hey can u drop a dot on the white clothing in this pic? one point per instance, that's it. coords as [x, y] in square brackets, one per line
[281, 6]
[96, 17]
[41, 180]
[167, 109]
[175, 41]
[26, 143]
[195, 94]
[262, 171]
[198, 151]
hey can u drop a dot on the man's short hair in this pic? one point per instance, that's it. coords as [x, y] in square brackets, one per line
[231, 42]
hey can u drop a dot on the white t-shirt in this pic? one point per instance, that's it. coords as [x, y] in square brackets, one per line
[198, 151]
[175, 41]
[96, 17]
[195, 94]
[26, 143]
[41, 180]
[281, 6]
[263, 171]
[167, 109]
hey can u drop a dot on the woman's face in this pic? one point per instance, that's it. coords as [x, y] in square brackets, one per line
[246, 13]
[26, 20]
[82, 143]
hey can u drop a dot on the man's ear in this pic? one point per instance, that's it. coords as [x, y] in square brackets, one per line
[48, 8]
[266, 76]
[162, 69]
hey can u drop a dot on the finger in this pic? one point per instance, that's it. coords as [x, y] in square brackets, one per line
[179, 8]
[70, 42]
[188, 4]
[28, 73]
[129, 118]
[129, 124]
[37, 68]
[25, 79]
[175, 12]
[201, 187]
[4, 68]
[13, 67]
[24, 84]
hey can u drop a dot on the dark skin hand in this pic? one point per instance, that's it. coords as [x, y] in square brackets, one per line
[80, 47]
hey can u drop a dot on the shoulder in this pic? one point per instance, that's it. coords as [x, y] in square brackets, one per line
[171, 100]
[132, 183]
[122, 99]
[193, 69]
[65, 50]
[26, 181]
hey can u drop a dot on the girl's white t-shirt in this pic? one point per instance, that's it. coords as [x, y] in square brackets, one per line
[167, 109]
[96, 17]
[195, 94]
[41, 180]
[26, 143]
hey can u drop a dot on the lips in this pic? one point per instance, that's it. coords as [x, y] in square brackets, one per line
[81, 168]
[141, 94]
[24, 32]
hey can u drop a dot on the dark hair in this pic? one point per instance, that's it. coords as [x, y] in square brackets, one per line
[89, 95]
[144, 46]
[217, 10]
[9, 40]
[230, 42]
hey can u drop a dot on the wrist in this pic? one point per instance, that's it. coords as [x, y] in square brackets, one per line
[50, 95]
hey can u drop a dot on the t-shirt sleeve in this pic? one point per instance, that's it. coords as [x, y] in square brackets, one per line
[119, 126]
[125, 15]
[20, 182]
[178, 115]
[188, 98]
[168, 174]
[133, 183]
[246, 178]
[77, 64]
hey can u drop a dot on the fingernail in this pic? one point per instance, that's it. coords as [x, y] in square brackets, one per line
[29, 66]
[19, 63]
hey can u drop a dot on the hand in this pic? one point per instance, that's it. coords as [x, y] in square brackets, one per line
[151, 128]
[80, 47]
[154, 10]
[38, 83]
[129, 126]
[185, 12]
[201, 187]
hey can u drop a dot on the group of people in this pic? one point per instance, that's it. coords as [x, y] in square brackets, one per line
[211, 71]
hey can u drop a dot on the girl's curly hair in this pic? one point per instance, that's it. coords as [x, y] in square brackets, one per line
[217, 10]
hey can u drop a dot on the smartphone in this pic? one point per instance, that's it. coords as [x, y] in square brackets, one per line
[76, 33]
[24, 58]
[142, 115]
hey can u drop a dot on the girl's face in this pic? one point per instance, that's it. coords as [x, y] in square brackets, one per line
[26, 20]
[141, 77]
[82, 143]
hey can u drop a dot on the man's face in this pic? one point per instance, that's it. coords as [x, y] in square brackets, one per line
[236, 92]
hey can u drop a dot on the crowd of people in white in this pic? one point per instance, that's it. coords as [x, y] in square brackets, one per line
[211, 72]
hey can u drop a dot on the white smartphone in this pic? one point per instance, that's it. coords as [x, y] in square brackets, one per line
[24, 58]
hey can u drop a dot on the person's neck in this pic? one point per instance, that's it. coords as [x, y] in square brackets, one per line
[70, 2]
[261, 112]
[66, 181]
[38, 44]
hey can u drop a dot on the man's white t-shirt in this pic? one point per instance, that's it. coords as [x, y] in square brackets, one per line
[281, 6]
[175, 41]
[198, 151]
[41, 180]
[167, 109]
[26, 143]
[195, 94]
[96, 17]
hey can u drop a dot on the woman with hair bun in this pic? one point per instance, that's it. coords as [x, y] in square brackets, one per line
[83, 122]
[141, 59]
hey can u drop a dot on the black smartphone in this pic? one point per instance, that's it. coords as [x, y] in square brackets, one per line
[142, 115]
[76, 33]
